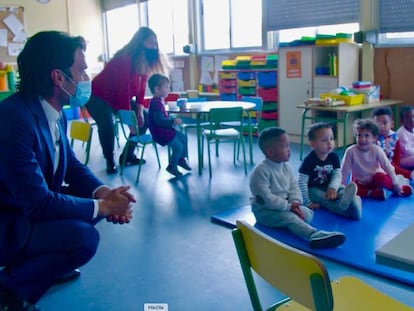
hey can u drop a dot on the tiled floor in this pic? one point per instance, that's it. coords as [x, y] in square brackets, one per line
[171, 253]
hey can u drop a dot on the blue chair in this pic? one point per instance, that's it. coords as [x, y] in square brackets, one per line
[129, 118]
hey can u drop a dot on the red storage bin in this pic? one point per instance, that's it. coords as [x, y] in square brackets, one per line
[268, 94]
[269, 115]
[226, 83]
[228, 89]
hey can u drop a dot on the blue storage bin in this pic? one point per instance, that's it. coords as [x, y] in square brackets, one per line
[267, 78]
[228, 96]
[246, 75]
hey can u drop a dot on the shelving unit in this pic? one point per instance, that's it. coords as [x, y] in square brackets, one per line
[260, 82]
[300, 78]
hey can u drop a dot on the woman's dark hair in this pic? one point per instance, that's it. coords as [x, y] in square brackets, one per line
[43, 53]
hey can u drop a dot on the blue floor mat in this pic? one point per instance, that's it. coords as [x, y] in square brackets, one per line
[380, 222]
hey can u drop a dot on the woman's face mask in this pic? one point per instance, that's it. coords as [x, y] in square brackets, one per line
[151, 55]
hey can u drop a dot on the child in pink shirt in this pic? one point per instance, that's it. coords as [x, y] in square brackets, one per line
[369, 166]
[406, 137]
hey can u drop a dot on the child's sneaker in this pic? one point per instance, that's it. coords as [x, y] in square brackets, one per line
[406, 191]
[355, 208]
[350, 192]
[325, 239]
[174, 171]
[379, 194]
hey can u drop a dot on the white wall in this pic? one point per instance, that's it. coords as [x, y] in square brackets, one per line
[77, 17]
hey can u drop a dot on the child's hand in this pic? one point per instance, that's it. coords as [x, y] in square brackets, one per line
[295, 209]
[331, 194]
[397, 189]
[177, 121]
[314, 205]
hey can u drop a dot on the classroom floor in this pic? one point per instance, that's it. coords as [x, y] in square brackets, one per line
[171, 253]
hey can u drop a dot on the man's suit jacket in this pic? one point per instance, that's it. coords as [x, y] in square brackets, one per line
[29, 189]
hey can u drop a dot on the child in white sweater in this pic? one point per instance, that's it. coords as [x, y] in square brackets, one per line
[369, 166]
[277, 200]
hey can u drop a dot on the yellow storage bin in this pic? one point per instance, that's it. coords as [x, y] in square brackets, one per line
[246, 83]
[349, 100]
[227, 75]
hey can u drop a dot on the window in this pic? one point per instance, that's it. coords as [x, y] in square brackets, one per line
[169, 20]
[121, 24]
[231, 24]
[396, 22]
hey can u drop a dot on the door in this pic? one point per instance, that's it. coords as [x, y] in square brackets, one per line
[295, 85]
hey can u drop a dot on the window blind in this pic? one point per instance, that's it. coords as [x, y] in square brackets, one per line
[285, 14]
[396, 16]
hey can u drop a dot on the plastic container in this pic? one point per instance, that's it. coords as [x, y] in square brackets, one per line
[4, 86]
[268, 94]
[247, 83]
[246, 75]
[349, 100]
[227, 75]
[267, 78]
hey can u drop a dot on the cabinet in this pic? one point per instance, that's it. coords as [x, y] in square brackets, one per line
[234, 84]
[300, 77]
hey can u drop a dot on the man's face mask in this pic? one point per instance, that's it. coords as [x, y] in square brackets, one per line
[82, 94]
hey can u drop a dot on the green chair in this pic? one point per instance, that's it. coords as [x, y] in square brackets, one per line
[301, 276]
[81, 131]
[215, 133]
[128, 118]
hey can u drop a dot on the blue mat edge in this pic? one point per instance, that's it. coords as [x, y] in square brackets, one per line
[393, 274]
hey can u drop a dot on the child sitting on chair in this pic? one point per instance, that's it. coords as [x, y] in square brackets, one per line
[388, 140]
[320, 176]
[406, 137]
[368, 166]
[277, 201]
[161, 125]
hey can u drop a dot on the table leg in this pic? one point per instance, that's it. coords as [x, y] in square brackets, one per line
[302, 135]
[199, 146]
[249, 122]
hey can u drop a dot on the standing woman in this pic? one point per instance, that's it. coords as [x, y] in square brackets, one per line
[122, 78]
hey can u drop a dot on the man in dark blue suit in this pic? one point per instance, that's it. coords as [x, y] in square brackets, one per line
[49, 201]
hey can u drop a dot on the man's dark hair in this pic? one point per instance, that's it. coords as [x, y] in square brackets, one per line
[268, 135]
[43, 53]
[315, 127]
[156, 80]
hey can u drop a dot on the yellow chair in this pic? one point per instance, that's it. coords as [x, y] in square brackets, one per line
[215, 133]
[128, 118]
[82, 131]
[302, 277]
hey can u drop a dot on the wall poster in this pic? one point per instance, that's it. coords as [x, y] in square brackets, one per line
[294, 64]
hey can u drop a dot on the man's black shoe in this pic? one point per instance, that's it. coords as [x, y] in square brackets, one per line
[68, 277]
[10, 302]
